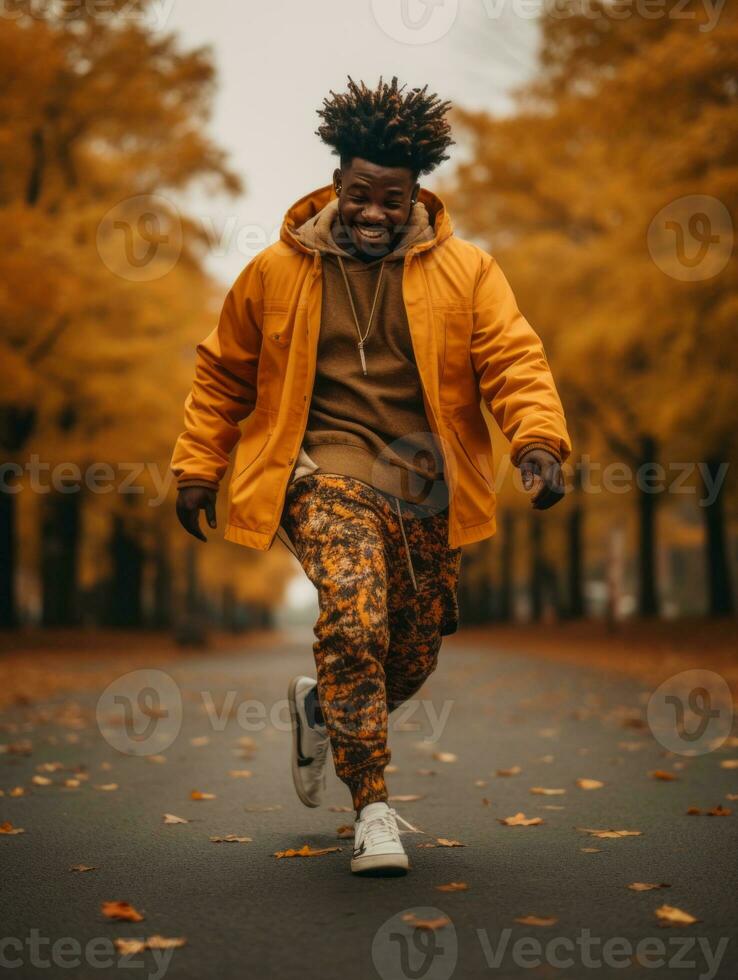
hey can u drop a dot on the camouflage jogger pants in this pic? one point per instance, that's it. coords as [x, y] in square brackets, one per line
[387, 591]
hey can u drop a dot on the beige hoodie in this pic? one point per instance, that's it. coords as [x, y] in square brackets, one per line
[372, 427]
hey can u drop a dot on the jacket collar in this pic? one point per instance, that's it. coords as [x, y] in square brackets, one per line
[309, 205]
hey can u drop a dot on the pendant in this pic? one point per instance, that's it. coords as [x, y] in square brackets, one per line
[360, 345]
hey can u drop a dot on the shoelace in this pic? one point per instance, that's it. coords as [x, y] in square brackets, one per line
[382, 829]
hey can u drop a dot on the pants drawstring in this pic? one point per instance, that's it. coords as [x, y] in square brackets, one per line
[407, 549]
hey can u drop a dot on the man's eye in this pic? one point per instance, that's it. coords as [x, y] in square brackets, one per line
[359, 200]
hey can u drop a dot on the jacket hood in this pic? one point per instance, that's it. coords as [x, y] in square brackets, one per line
[307, 223]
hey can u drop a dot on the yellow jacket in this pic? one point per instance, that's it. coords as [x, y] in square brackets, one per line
[258, 365]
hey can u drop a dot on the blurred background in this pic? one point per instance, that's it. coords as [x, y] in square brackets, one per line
[150, 150]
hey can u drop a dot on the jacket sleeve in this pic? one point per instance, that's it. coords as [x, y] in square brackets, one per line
[223, 392]
[514, 376]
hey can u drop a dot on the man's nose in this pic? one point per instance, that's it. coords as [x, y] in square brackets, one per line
[373, 214]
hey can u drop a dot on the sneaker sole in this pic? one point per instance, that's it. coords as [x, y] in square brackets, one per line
[381, 865]
[296, 775]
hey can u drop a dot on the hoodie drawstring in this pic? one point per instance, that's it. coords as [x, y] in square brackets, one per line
[407, 549]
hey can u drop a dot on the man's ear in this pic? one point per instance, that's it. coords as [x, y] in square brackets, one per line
[337, 180]
[415, 192]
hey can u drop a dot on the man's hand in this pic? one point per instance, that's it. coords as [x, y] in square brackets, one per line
[541, 473]
[190, 501]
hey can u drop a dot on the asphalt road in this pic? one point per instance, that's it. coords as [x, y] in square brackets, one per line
[246, 914]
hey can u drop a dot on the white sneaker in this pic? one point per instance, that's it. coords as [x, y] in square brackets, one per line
[309, 745]
[377, 846]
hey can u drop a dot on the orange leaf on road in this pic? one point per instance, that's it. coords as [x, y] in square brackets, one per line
[520, 820]
[122, 911]
[305, 851]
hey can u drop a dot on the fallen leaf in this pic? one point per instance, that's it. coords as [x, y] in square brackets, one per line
[731, 796]
[663, 774]
[534, 920]
[122, 911]
[263, 808]
[231, 839]
[131, 947]
[158, 759]
[345, 830]
[480, 783]
[17, 791]
[199, 741]
[669, 915]
[646, 886]
[240, 773]
[405, 798]
[520, 820]
[542, 791]
[305, 851]
[8, 828]
[430, 924]
[161, 942]
[197, 795]
[513, 771]
[82, 867]
[589, 784]
[716, 811]
[391, 769]
[486, 802]
[550, 806]
[41, 780]
[170, 818]
[445, 756]
[426, 772]
[72, 783]
[607, 834]
[729, 764]
[453, 886]
[107, 787]
[591, 850]
[443, 842]
[341, 809]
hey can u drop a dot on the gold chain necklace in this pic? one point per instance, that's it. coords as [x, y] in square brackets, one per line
[362, 340]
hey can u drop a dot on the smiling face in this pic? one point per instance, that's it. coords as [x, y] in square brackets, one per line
[374, 205]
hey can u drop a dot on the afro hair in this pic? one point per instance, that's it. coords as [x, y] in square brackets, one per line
[387, 127]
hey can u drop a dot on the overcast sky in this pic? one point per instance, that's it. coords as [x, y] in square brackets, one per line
[277, 60]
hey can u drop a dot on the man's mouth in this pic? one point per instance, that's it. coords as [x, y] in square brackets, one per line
[372, 233]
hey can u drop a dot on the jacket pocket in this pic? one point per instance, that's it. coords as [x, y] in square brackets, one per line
[277, 326]
[475, 441]
[254, 437]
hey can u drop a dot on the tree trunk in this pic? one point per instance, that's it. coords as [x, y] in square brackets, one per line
[125, 609]
[720, 592]
[574, 528]
[536, 569]
[162, 606]
[507, 541]
[16, 426]
[648, 604]
[8, 606]
[60, 540]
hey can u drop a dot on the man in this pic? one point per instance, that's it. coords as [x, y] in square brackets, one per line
[357, 349]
